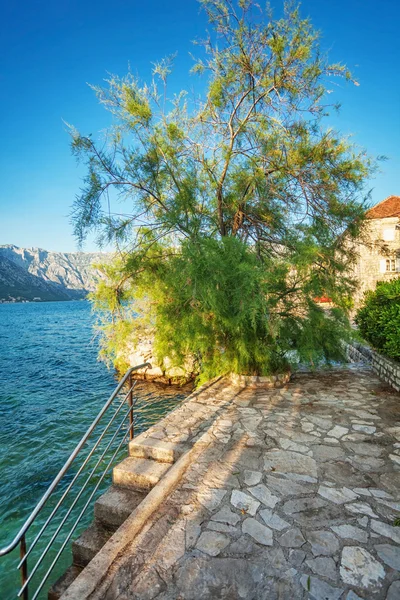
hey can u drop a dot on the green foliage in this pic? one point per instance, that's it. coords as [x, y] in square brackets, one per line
[379, 318]
[236, 208]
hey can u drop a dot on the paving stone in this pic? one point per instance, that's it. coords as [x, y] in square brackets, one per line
[320, 590]
[225, 515]
[244, 502]
[380, 494]
[285, 461]
[338, 496]
[323, 542]
[321, 422]
[261, 533]
[252, 477]
[353, 596]
[359, 568]
[324, 453]
[243, 546]
[211, 498]
[338, 431]
[285, 488]
[273, 520]
[350, 532]
[364, 428]
[324, 566]
[192, 532]
[362, 491]
[296, 557]
[292, 539]
[212, 543]
[291, 445]
[221, 527]
[360, 508]
[262, 493]
[394, 591]
[389, 554]
[365, 449]
[386, 530]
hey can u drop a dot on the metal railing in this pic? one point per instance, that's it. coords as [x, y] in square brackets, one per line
[109, 442]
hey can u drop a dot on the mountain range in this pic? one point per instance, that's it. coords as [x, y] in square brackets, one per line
[28, 274]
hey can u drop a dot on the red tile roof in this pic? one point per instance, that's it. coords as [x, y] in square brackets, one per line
[387, 208]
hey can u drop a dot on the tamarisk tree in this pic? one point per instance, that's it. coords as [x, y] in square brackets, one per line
[236, 206]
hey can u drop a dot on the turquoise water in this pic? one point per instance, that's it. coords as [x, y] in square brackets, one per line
[51, 388]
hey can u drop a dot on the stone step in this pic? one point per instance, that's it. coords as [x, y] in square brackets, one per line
[89, 543]
[115, 506]
[139, 474]
[63, 582]
[158, 450]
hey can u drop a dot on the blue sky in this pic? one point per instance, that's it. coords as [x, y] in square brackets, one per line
[49, 51]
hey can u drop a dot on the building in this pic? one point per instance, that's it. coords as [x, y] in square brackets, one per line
[379, 248]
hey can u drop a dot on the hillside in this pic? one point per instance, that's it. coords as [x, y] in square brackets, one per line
[36, 274]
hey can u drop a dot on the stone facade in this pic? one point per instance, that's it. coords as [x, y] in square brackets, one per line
[379, 248]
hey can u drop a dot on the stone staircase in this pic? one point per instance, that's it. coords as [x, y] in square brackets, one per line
[148, 460]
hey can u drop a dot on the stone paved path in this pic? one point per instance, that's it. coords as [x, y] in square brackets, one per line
[295, 495]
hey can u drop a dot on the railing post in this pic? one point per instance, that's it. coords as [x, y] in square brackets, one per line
[24, 567]
[130, 401]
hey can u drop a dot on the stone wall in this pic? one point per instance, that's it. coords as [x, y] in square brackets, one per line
[387, 369]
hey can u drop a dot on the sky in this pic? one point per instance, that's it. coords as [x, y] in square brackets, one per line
[50, 50]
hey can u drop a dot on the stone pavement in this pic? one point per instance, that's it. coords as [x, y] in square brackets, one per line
[295, 495]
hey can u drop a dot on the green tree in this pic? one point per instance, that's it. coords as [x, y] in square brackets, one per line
[379, 318]
[240, 202]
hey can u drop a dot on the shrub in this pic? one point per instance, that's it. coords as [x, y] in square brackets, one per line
[379, 318]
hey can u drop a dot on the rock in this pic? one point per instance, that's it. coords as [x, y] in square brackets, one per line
[360, 508]
[212, 543]
[389, 554]
[359, 568]
[284, 461]
[323, 542]
[292, 538]
[244, 502]
[259, 532]
[338, 431]
[262, 493]
[225, 515]
[394, 591]
[351, 533]
[320, 590]
[273, 520]
[324, 566]
[252, 477]
[386, 530]
[337, 496]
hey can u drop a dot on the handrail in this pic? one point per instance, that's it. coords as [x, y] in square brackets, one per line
[20, 537]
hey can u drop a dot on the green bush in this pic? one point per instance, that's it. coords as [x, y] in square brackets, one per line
[379, 318]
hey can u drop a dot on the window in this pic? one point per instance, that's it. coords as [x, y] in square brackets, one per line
[390, 265]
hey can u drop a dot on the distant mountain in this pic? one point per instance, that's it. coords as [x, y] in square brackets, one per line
[36, 274]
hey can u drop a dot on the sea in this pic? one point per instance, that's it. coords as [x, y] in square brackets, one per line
[52, 386]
